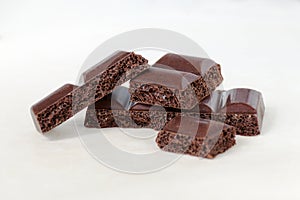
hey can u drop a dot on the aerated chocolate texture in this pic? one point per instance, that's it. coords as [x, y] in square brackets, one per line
[208, 69]
[176, 81]
[242, 108]
[182, 90]
[99, 81]
[116, 110]
[176, 96]
[111, 111]
[196, 137]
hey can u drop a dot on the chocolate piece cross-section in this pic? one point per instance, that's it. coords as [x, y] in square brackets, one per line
[116, 110]
[168, 88]
[206, 109]
[208, 69]
[155, 117]
[176, 81]
[111, 111]
[196, 137]
[99, 81]
[242, 108]
[152, 116]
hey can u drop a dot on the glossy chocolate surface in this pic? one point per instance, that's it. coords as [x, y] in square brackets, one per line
[238, 100]
[242, 100]
[104, 64]
[195, 65]
[119, 99]
[193, 126]
[68, 100]
[53, 97]
[168, 78]
[146, 107]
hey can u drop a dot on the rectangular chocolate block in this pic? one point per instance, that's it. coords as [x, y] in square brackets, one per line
[168, 88]
[99, 81]
[116, 110]
[196, 137]
[244, 109]
[156, 117]
[208, 69]
[240, 107]
[176, 81]
[111, 111]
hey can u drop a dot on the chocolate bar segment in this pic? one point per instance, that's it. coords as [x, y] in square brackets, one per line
[99, 81]
[244, 109]
[53, 109]
[116, 110]
[165, 86]
[110, 111]
[240, 107]
[208, 69]
[155, 117]
[103, 65]
[168, 88]
[152, 116]
[196, 137]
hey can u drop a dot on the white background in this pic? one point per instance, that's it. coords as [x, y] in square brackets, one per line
[44, 43]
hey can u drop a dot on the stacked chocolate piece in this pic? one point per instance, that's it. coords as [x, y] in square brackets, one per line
[176, 96]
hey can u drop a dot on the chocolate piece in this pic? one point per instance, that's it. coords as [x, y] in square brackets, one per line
[168, 88]
[99, 81]
[196, 137]
[154, 117]
[241, 108]
[176, 81]
[141, 113]
[204, 67]
[244, 109]
[53, 109]
[110, 111]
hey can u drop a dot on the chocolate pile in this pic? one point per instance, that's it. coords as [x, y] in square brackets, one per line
[176, 96]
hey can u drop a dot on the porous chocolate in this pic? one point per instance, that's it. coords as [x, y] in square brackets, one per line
[242, 108]
[208, 69]
[111, 111]
[168, 88]
[100, 80]
[196, 137]
[176, 81]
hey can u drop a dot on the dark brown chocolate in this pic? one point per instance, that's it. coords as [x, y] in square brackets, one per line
[244, 109]
[111, 111]
[208, 69]
[167, 86]
[103, 65]
[116, 110]
[156, 117]
[196, 137]
[53, 109]
[99, 81]
[241, 108]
